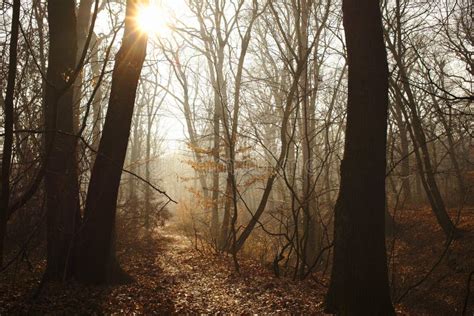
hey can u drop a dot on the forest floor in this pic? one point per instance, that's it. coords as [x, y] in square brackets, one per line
[173, 277]
[170, 277]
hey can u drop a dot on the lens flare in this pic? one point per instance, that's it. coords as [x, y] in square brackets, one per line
[153, 20]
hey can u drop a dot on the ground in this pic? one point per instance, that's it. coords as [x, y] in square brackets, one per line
[173, 277]
[170, 276]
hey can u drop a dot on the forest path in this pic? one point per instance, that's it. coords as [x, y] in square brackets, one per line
[207, 283]
[170, 277]
[173, 277]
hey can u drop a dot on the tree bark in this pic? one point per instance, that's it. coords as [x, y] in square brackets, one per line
[309, 239]
[99, 216]
[359, 281]
[82, 28]
[8, 126]
[61, 180]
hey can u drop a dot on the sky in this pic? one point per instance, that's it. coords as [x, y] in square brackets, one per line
[164, 13]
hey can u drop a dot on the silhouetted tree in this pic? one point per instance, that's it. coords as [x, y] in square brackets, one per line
[97, 264]
[61, 180]
[359, 281]
[9, 112]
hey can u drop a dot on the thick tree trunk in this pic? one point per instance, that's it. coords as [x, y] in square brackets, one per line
[359, 281]
[8, 126]
[62, 191]
[99, 217]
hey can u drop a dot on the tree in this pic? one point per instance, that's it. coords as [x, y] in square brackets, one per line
[407, 102]
[359, 281]
[95, 242]
[9, 112]
[61, 180]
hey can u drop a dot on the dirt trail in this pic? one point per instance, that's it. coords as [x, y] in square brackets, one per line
[207, 283]
[170, 277]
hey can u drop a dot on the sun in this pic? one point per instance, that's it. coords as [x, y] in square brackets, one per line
[153, 20]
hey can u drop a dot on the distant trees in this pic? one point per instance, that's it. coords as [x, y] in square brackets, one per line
[406, 100]
[413, 91]
[359, 280]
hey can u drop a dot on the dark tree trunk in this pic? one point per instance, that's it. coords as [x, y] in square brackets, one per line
[8, 126]
[425, 168]
[96, 102]
[359, 281]
[62, 191]
[99, 217]
[82, 27]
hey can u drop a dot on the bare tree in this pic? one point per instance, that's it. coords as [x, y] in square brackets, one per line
[359, 280]
[61, 179]
[99, 215]
[8, 105]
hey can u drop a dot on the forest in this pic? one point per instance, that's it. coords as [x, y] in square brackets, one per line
[236, 156]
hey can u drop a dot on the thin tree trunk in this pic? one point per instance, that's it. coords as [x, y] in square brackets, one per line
[425, 170]
[83, 23]
[148, 174]
[96, 102]
[309, 238]
[452, 151]
[404, 153]
[284, 139]
[188, 115]
[419, 141]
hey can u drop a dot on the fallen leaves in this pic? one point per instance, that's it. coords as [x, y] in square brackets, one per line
[171, 277]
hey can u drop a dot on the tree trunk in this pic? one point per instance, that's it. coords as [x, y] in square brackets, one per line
[62, 190]
[147, 210]
[284, 139]
[8, 126]
[418, 136]
[359, 281]
[82, 28]
[134, 160]
[99, 216]
[451, 149]
[426, 172]
[189, 117]
[309, 240]
[404, 152]
[96, 102]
